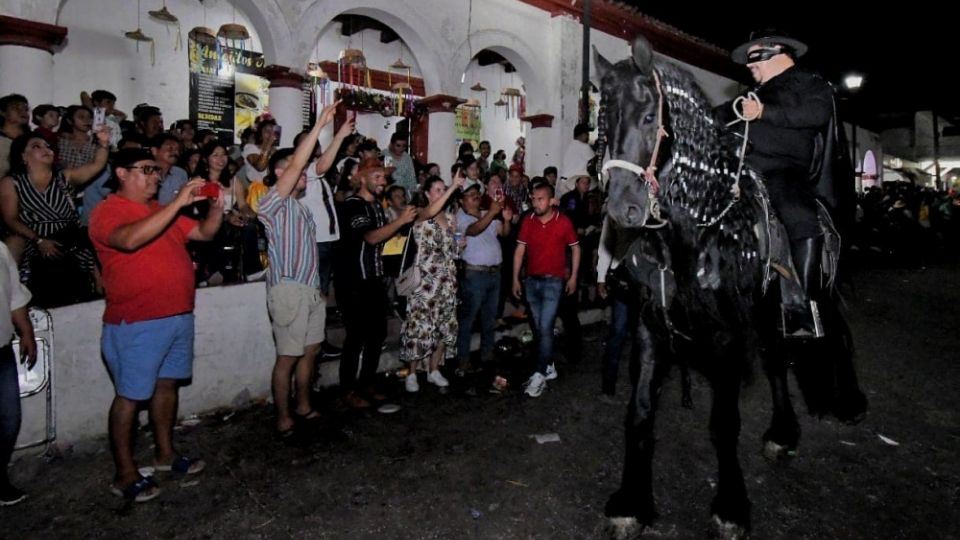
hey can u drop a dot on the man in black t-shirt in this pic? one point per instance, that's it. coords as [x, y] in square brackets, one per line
[361, 294]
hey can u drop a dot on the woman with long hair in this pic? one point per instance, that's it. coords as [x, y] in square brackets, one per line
[36, 206]
[429, 333]
[239, 228]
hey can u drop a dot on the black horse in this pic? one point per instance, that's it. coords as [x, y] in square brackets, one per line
[705, 254]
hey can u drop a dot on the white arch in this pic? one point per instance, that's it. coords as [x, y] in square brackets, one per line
[517, 51]
[410, 25]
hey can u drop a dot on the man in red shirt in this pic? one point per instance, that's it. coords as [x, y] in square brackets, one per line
[544, 237]
[147, 336]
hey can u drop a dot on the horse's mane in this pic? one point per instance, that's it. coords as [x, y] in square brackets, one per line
[699, 172]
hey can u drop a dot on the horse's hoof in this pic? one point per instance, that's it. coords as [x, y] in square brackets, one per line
[727, 530]
[774, 452]
[623, 528]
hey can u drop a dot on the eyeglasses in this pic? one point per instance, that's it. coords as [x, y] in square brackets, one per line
[148, 169]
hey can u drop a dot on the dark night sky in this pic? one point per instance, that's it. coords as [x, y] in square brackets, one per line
[899, 53]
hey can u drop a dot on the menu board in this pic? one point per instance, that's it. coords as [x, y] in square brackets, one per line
[227, 93]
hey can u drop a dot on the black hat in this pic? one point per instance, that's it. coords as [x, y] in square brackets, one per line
[772, 37]
[126, 158]
[580, 129]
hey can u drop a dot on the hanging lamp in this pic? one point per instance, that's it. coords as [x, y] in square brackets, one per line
[138, 36]
[163, 15]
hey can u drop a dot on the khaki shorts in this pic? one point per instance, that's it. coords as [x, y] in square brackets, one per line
[299, 317]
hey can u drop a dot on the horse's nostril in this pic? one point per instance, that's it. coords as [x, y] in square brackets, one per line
[633, 214]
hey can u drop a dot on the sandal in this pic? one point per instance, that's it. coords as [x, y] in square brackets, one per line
[311, 416]
[183, 465]
[141, 491]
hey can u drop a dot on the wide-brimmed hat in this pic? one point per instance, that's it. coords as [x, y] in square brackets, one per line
[769, 36]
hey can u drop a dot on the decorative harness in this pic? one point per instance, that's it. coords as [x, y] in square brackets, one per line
[649, 173]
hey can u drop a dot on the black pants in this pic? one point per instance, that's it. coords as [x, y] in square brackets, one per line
[9, 408]
[363, 304]
[792, 197]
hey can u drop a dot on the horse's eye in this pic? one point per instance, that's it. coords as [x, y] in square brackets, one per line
[648, 119]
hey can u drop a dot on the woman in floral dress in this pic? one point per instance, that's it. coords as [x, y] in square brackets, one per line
[429, 333]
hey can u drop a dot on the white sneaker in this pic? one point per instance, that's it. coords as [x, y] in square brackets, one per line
[411, 383]
[438, 379]
[537, 384]
[551, 372]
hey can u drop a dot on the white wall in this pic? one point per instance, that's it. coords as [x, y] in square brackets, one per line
[502, 132]
[234, 355]
[378, 127]
[98, 56]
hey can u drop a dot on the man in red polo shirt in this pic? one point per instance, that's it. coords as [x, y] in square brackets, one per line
[544, 237]
[147, 338]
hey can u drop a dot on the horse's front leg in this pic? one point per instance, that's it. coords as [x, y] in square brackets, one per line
[634, 499]
[730, 507]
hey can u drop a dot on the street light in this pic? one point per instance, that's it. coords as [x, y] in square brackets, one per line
[852, 83]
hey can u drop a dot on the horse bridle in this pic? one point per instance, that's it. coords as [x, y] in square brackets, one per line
[649, 174]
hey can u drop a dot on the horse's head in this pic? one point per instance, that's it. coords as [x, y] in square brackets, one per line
[632, 101]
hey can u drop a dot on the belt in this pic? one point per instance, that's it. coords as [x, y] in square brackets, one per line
[482, 268]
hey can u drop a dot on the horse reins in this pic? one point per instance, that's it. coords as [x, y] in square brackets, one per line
[735, 189]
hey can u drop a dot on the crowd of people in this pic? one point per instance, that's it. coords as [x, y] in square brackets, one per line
[95, 204]
[905, 224]
[98, 205]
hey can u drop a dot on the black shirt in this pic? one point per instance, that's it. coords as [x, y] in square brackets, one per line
[356, 259]
[797, 105]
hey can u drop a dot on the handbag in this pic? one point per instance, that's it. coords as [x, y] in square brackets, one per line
[409, 278]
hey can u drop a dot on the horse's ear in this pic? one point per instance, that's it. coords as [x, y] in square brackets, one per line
[600, 65]
[642, 55]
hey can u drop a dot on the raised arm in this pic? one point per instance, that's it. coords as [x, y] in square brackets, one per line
[330, 154]
[387, 231]
[288, 180]
[84, 173]
[133, 236]
[436, 206]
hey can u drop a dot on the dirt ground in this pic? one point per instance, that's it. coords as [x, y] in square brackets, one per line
[461, 466]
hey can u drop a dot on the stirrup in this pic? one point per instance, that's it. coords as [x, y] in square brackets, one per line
[795, 323]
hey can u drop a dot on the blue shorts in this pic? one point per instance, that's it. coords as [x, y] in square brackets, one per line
[138, 354]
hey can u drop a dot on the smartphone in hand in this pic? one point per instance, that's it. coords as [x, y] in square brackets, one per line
[99, 118]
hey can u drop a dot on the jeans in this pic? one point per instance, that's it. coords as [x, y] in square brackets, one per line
[363, 304]
[543, 295]
[325, 265]
[623, 319]
[480, 292]
[9, 408]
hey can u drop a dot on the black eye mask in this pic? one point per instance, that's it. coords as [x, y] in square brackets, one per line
[762, 54]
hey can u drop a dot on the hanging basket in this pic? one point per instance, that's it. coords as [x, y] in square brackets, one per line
[353, 57]
[137, 35]
[233, 32]
[202, 33]
[163, 15]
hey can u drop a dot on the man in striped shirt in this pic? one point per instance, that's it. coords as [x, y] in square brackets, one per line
[297, 309]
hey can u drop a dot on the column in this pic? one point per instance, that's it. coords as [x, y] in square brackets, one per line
[286, 101]
[26, 58]
[441, 145]
[541, 139]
